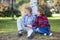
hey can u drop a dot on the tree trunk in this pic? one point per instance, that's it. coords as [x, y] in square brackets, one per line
[12, 9]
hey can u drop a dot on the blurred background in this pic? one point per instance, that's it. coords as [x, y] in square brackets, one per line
[10, 10]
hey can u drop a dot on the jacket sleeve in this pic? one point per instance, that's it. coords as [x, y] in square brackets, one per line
[23, 20]
[35, 23]
[46, 21]
[34, 19]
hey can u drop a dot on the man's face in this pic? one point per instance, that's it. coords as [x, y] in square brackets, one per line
[27, 12]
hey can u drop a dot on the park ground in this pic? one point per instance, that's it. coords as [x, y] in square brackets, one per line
[8, 29]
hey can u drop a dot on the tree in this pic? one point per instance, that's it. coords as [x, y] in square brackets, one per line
[7, 13]
[43, 5]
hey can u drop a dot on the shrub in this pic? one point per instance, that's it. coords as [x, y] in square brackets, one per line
[47, 11]
[8, 12]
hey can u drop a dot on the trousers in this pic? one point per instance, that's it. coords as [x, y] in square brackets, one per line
[21, 26]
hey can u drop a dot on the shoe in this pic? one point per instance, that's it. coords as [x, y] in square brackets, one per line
[45, 34]
[31, 37]
[50, 34]
[20, 34]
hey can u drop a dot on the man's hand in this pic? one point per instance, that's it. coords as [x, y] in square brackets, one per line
[37, 29]
[29, 26]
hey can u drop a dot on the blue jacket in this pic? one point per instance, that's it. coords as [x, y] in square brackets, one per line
[28, 20]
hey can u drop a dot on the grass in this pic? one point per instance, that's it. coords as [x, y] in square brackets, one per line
[9, 26]
[55, 24]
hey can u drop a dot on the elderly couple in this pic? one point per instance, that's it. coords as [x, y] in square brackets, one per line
[33, 23]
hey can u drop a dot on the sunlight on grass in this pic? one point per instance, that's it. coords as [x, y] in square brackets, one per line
[55, 17]
[7, 18]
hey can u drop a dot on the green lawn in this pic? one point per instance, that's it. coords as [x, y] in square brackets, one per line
[8, 26]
